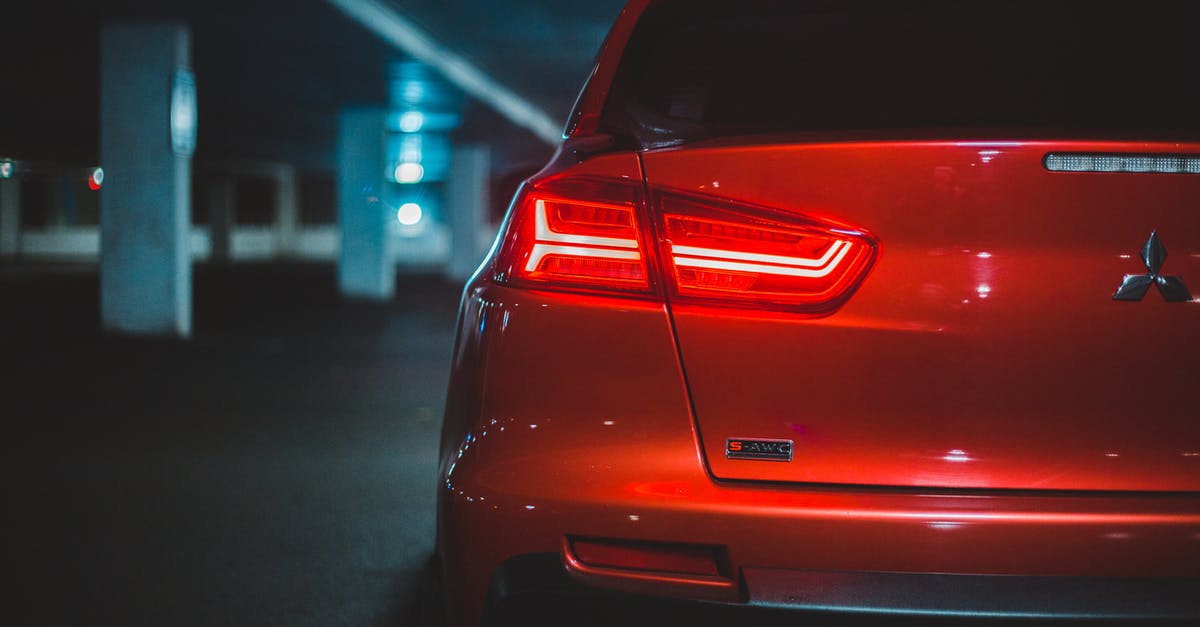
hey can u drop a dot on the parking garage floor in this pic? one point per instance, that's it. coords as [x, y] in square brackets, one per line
[277, 469]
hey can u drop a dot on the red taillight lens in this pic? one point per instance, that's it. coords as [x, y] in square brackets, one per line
[731, 254]
[577, 233]
[588, 234]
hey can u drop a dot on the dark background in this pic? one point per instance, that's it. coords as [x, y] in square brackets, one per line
[278, 468]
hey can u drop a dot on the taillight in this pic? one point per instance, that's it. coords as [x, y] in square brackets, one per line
[590, 234]
[726, 253]
[577, 233]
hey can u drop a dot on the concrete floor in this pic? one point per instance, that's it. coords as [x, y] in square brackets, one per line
[278, 469]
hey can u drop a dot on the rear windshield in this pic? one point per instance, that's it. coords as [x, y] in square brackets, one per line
[708, 68]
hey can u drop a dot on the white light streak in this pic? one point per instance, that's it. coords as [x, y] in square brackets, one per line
[957, 455]
[388, 24]
[553, 243]
[540, 251]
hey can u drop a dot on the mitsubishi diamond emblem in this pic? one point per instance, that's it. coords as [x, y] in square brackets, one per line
[1135, 286]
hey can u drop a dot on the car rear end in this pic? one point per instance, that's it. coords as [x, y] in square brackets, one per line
[844, 310]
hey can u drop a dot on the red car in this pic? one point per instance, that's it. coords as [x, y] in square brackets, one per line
[844, 310]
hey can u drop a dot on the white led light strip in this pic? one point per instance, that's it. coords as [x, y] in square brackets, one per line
[553, 243]
[1115, 162]
[541, 250]
[714, 259]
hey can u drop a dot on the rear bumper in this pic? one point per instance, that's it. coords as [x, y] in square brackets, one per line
[830, 553]
[979, 596]
[570, 419]
[535, 589]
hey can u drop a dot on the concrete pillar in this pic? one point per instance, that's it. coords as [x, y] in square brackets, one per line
[63, 199]
[365, 268]
[69, 213]
[221, 207]
[145, 211]
[287, 209]
[10, 216]
[467, 203]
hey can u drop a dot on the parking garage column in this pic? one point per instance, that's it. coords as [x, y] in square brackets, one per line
[147, 133]
[365, 267]
[467, 201]
[221, 200]
[287, 209]
[10, 215]
[63, 200]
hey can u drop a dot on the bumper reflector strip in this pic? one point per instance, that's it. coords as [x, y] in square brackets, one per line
[665, 558]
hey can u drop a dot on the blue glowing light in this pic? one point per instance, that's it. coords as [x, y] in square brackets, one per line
[411, 149]
[409, 214]
[183, 113]
[409, 173]
[412, 121]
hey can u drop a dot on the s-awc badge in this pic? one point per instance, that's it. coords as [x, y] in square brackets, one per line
[769, 450]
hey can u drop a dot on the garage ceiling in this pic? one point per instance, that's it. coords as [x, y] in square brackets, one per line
[273, 74]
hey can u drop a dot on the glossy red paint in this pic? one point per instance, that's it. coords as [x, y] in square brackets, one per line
[582, 429]
[976, 403]
[585, 117]
[985, 349]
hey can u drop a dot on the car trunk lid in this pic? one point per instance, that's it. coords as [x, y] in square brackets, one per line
[985, 348]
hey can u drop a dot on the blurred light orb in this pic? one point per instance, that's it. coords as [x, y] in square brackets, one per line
[410, 149]
[6, 169]
[414, 92]
[409, 214]
[409, 173]
[96, 180]
[412, 121]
